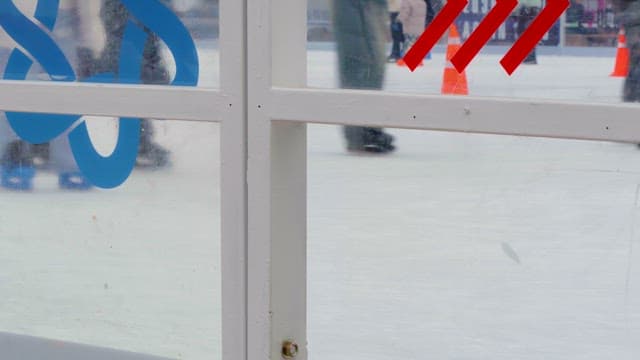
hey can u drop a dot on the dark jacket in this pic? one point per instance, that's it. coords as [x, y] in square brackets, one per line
[115, 17]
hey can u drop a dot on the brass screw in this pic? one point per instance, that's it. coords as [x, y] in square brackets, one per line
[289, 349]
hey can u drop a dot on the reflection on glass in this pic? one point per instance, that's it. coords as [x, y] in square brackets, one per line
[461, 246]
[134, 268]
[573, 61]
[124, 41]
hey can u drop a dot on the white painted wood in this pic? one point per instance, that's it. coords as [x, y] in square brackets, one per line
[289, 184]
[461, 114]
[259, 181]
[157, 102]
[277, 181]
[233, 179]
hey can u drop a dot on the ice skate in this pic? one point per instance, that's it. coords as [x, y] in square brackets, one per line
[531, 59]
[152, 155]
[73, 180]
[373, 141]
[16, 167]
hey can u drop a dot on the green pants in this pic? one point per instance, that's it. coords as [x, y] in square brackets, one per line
[360, 27]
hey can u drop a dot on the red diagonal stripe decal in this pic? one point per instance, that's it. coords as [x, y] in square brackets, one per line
[434, 32]
[482, 34]
[540, 25]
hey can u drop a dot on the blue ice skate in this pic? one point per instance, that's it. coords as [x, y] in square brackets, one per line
[18, 178]
[73, 180]
[16, 166]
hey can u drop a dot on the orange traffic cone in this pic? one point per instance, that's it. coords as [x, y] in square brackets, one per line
[453, 82]
[621, 68]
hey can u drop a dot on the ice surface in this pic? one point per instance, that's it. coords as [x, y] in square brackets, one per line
[135, 268]
[463, 246]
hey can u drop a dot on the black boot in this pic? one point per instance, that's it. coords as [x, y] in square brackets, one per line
[150, 154]
[377, 141]
[40, 155]
[366, 139]
[531, 58]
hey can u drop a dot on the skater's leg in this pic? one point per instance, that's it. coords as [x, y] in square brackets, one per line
[6, 133]
[527, 15]
[396, 36]
[16, 161]
[355, 137]
[150, 154]
[360, 33]
[631, 91]
[61, 158]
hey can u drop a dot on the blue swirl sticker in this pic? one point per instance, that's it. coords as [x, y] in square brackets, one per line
[151, 16]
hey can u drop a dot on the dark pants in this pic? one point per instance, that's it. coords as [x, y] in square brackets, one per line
[360, 27]
[397, 35]
[115, 16]
[526, 14]
[631, 91]
[431, 13]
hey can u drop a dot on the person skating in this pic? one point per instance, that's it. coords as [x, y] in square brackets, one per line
[20, 160]
[114, 17]
[627, 14]
[526, 11]
[397, 33]
[360, 33]
[413, 16]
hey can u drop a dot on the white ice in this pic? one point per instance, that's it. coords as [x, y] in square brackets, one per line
[457, 246]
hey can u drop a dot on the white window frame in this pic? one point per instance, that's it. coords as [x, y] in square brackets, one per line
[226, 106]
[280, 106]
[263, 108]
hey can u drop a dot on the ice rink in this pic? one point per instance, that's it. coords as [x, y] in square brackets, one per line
[457, 246]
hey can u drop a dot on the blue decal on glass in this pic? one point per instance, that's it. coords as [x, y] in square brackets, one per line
[162, 21]
[35, 128]
[113, 170]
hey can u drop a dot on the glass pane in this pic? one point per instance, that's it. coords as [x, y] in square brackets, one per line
[574, 64]
[133, 268]
[118, 41]
[462, 246]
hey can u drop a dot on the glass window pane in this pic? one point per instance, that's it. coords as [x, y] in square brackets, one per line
[358, 44]
[133, 268]
[117, 41]
[460, 246]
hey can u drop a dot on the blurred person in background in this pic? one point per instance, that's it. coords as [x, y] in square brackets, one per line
[397, 34]
[628, 16]
[526, 11]
[360, 28]
[413, 16]
[19, 158]
[627, 13]
[432, 5]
